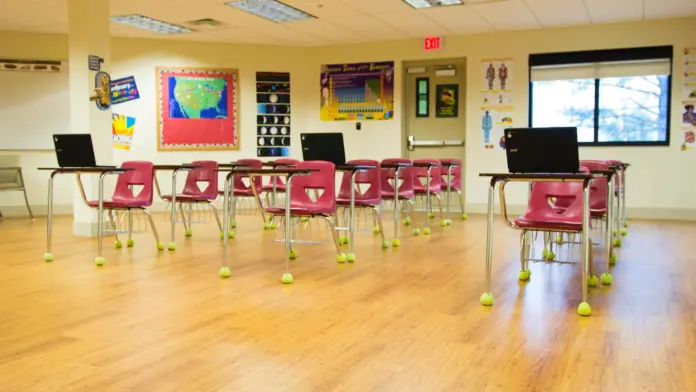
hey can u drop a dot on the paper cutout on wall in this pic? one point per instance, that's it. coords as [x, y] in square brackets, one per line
[688, 118]
[124, 90]
[122, 128]
[273, 114]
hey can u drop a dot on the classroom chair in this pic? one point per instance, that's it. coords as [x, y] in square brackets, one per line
[206, 175]
[11, 179]
[420, 188]
[267, 189]
[123, 199]
[302, 206]
[454, 167]
[404, 191]
[369, 198]
[243, 191]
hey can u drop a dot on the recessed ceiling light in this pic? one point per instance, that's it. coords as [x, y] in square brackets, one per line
[143, 22]
[271, 10]
[432, 3]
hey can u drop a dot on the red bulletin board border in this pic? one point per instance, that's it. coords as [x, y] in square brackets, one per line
[177, 134]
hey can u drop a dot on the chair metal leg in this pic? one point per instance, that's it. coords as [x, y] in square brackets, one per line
[112, 222]
[439, 203]
[160, 245]
[334, 234]
[217, 217]
[26, 200]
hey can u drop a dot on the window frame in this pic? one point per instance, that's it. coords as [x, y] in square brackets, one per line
[604, 56]
[426, 96]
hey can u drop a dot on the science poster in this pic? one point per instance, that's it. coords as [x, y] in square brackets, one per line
[122, 128]
[197, 109]
[273, 114]
[447, 100]
[688, 117]
[496, 101]
[363, 91]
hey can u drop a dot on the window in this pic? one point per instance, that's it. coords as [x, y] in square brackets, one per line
[614, 97]
[422, 97]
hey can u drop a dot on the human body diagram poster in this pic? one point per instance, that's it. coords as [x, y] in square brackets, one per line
[363, 91]
[496, 100]
[688, 123]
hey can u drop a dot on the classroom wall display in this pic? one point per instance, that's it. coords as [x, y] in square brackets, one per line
[496, 100]
[363, 91]
[122, 128]
[688, 118]
[124, 90]
[447, 100]
[197, 109]
[273, 114]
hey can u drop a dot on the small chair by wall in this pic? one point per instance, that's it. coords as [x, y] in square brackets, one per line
[11, 179]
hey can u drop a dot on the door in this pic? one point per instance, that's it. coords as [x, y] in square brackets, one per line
[435, 121]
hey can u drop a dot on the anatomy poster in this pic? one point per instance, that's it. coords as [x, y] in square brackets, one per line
[272, 114]
[496, 100]
[363, 91]
[688, 118]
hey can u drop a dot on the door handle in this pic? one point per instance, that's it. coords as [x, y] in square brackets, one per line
[412, 143]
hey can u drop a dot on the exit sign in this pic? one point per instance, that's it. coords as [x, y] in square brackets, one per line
[432, 43]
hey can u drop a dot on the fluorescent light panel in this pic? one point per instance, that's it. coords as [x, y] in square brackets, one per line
[157, 26]
[271, 10]
[432, 3]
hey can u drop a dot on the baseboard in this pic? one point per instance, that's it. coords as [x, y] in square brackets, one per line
[658, 213]
[20, 211]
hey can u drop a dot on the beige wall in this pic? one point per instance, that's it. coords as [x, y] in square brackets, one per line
[657, 186]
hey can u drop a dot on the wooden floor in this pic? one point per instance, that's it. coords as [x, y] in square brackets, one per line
[405, 319]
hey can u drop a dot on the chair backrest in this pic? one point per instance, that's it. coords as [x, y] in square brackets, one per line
[598, 187]
[539, 209]
[142, 175]
[455, 171]
[284, 161]
[421, 173]
[206, 173]
[239, 184]
[10, 178]
[371, 177]
[616, 178]
[406, 174]
[323, 179]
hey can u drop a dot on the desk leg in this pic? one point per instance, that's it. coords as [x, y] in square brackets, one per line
[584, 308]
[99, 260]
[395, 241]
[624, 220]
[350, 257]
[48, 256]
[225, 269]
[617, 213]
[448, 221]
[172, 212]
[611, 256]
[287, 277]
[271, 219]
[426, 229]
[487, 296]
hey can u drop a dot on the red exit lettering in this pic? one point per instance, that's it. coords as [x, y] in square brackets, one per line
[431, 43]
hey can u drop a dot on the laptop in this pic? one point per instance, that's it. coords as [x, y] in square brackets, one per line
[323, 147]
[542, 150]
[74, 150]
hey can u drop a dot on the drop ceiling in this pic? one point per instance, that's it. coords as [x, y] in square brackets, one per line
[346, 21]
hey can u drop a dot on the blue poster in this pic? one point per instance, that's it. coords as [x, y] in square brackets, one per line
[124, 90]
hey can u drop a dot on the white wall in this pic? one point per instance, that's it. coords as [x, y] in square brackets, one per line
[657, 182]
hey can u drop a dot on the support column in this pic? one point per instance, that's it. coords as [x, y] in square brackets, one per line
[88, 34]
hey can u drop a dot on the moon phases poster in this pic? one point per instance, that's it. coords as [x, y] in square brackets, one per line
[273, 114]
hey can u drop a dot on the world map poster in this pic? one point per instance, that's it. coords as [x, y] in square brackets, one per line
[363, 91]
[197, 109]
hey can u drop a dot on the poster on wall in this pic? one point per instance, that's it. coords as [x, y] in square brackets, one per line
[496, 100]
[197, 109]
[273, 114]
[688, 118]
[363, 91]
[124, 90]
[122, 128]
[447, 100]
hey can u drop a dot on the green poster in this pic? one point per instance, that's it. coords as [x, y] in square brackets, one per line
[447, 104]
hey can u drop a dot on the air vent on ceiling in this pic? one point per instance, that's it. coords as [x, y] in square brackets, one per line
[205, 22]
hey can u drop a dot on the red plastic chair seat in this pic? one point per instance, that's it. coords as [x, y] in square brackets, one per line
[119, 204]
[358, 203]
[547, 224]
[185, 198]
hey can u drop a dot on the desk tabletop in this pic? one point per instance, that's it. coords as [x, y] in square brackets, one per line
[348, 167]
[91, 169]
[185, 166]
[540, 176]
[277, 164]
[396, 165]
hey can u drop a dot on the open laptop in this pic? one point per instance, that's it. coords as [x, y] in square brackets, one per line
[542, 150]
[323, 147]
[74, 150]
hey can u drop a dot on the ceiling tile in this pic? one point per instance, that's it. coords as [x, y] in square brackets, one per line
[367, 25]
[559, 12]
[411, 22]
[377, 6]
[507, 15]
[323, 8]
[324, 29]
[603, 11]
[655, 9]
[458, 20]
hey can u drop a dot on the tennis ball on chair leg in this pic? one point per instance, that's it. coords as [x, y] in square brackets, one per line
[617, 242]
[99, 261]
[350, 257]
[293, 254]
[341, 257]
[486, 299]
[612, 258]
[130, 243]
[188, 232]
[416, 231]
[48, 257]
[287, 278]
[623, 232]
[395, 242]
[426, 231]
[592, 281]
[606, 278]
[274, 225]
[584, 309]
[225, 272]
[171, 246]
[160, 246]
[464, 216]
[266, 226]
[118, 244]
[385, 244]
[431, 215]
[443, 222]
[407, 221]
[376, 230]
